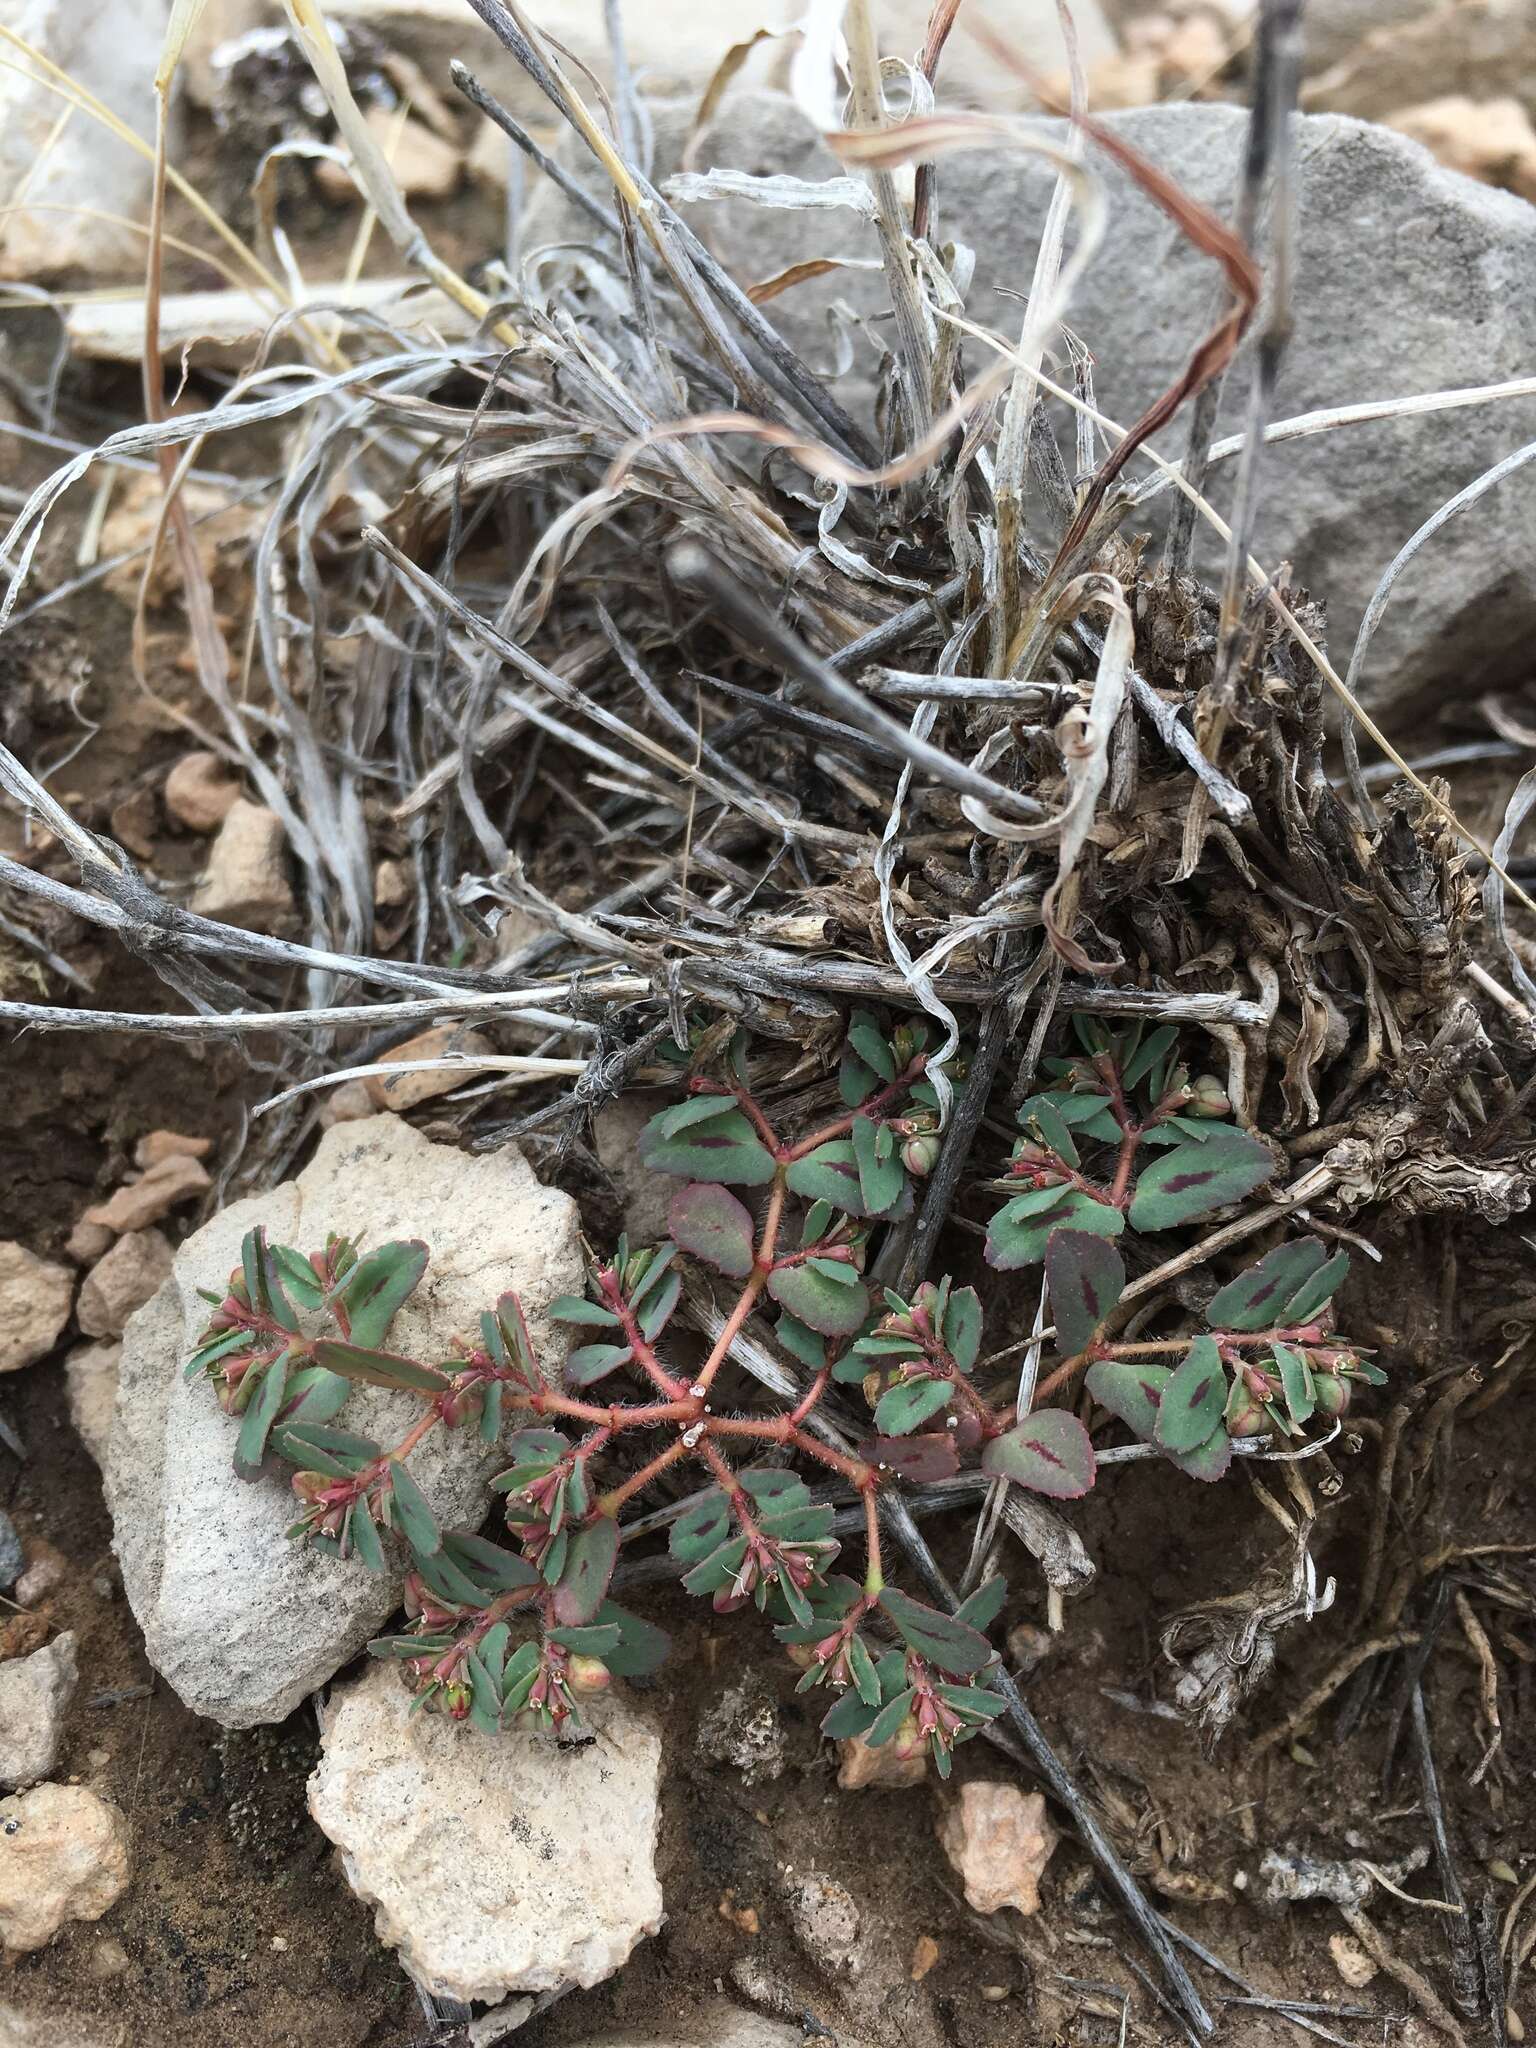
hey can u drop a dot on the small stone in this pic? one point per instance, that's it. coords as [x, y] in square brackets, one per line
[122, 1281]
[35, 1693]
[46, 1568]
[862, 1769]
[63, 1856]
[925, 1953]
[405, 1091]
[825, 1921]
[163, 1187]
[496, 1863]
[994, 1994]
[12, 1557]
[86, 1243]
[1514, 2026]
[155, 1146]
[742, 1729]
[344, 1105]
[35, 1299]
[246, 880]
[1490, 140]
[98, 1759]
[108, 1960]
[201, 790]
[1351, 1961]
[90, 1378]
[1029, 1646]
[999, 1841]
[391, 885]
[424, 165]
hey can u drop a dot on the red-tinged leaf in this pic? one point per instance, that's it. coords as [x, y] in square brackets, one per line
[831, 1306]
[1256, 1299]
[710, 1222]
[829, 1174]
[1194, 1400]
[1020, 1231]
[1130, 1390]
[377, 1368]
[962, 1327]
[713, 1147]
[589, 1562]
[1193, 1180]
[945, 1642]
[909, 1404]
[920, 1460]
[1086, 1276]
[378, 1286]
[1048, 1452]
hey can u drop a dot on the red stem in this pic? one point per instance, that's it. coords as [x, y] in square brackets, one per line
[911, 1072]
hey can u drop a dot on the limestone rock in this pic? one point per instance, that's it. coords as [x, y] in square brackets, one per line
[35, 1300]
[156, 1146]
[496, 1863]
[35, 1693]
[825, 1920]
[246, 881]
[46, 1568]
[1399, 263]
[170, 1181]
[999, 1841]
[242, 1622]
[861, 1768]
[742, 1728]
[1491, 140]
[112, 50]
[405, 1091]
[86, 1243]
[63, 1856]
[123, 1281]
[425, 166]
[90, 1376]
[201, 790]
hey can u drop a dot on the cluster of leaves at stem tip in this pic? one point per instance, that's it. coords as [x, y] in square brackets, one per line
[500, 1633]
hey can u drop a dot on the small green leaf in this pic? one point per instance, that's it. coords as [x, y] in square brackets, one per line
[890, 1718]
[1130, 1390]
[518, 1675]
[364, 1538]
[1021, 1230]
[377, 1368]
[1193, 1180]
[708, 1221]
[484, 1695]
[589, 1363]
[1207, 1461]
[910, 1403]
[571, 1308]
[851, 1715]
[832, 1306]
[251, 1444]
[944, 1641]
[1148, 1055]
[1194, 1399]
[411, 1514]
[642, 1646]
[596, 1640]
[869, 1043]
[377, 1288]
[314, 1396]
[300, 1281]
[701, 1529]
[802, 1342]
[1086, 1277]
[984, 1605]
[977, 1702]
[583, 1583]
[1256, 1299]
[1315, 1293]
[657, 1310]
[881, 1179]
[1295, 1384]
[1087, 1116]
[829, 1174]
[723, 1147]
[718, 1569]
[861, 1667]
[1049, 1452]
[962, 1327]
[486, 1564]
[1054, 1130]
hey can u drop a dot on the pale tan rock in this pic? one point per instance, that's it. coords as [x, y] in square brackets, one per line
[999, 1841]
[90, 1376]
[63, 1856]
[825, 1919]
[155, 1146]
[1351, 1961]
[425, 166]
[861, 1768]
[391, 884]
[1491, 140]
[344, 1105]
[405, 1091]
[122, 1281]
[496, 1863]
[246, 880]
[162, 1188]
[35, 1693]
[45, 1569]
[35, 1299]
[87, 1241]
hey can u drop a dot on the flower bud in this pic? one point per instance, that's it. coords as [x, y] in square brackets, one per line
[920, 1155]
[1027, 1153]
[310, 1485]
[801, 1655]
[588, 1674]
[1208, 1097]
[1332, 1393]
[909, 1740]
[1248, 1421]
